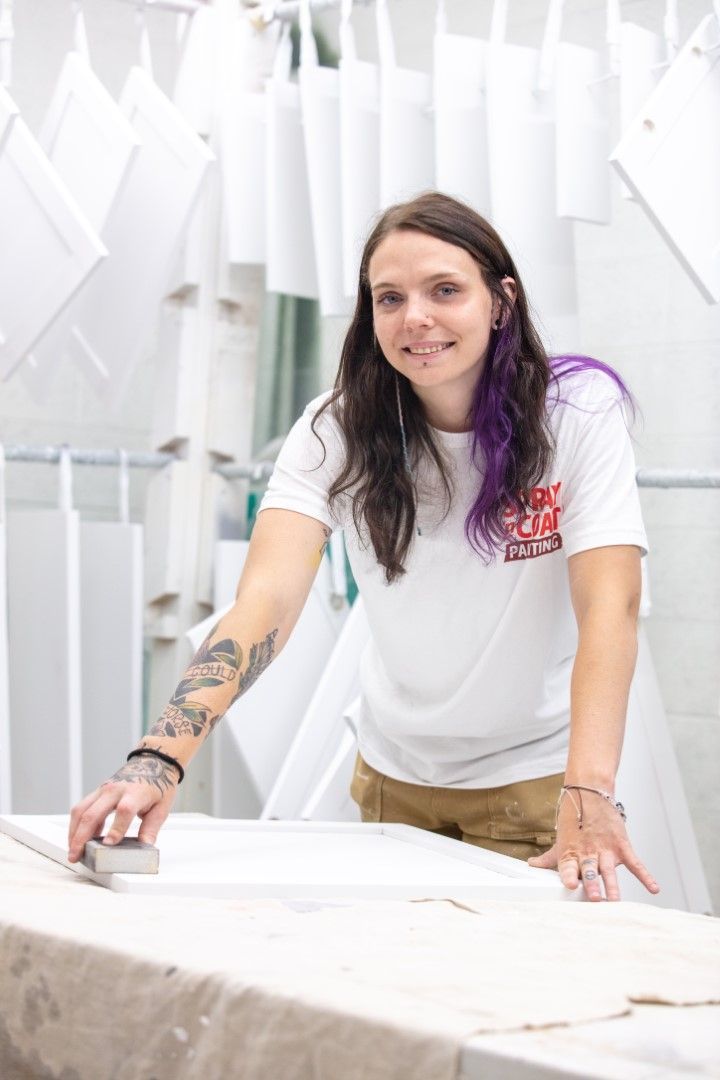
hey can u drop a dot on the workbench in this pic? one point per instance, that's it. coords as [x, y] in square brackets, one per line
[97, 984]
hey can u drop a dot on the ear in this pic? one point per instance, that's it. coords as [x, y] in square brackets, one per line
[510, 290]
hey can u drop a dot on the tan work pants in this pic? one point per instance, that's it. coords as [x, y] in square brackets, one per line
[516, 820]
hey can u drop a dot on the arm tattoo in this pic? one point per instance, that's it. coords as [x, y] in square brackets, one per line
[147, 770]
[212, 665]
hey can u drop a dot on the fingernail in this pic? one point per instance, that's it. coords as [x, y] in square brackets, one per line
[108, 839]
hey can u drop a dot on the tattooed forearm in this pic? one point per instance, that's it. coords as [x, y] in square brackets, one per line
[213, 665]
[147, 770]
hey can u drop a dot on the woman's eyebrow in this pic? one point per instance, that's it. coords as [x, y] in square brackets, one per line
[443, 276]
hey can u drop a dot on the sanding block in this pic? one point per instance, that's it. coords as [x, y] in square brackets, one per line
[128, 856]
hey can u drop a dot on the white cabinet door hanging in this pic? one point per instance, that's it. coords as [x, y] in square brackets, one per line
[48, 246]
[641, 55]
[8, 114]
[461, 148]
[111, 641]
[119, 308]
[407, 160]
[359, 154]
[43, 561]
[289, 251]
[323, 725]
[5, 772]
[521, 139]
[320, 100]
[670, 158]
[263, 722]
[582, 134]
[92, 145]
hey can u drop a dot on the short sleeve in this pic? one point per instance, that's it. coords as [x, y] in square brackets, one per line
[601, 503]
[305, 468]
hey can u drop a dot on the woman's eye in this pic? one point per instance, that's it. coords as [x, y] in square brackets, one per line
[388, 299]
[447, 290]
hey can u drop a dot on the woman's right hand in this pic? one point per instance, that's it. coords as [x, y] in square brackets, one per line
[144, 787]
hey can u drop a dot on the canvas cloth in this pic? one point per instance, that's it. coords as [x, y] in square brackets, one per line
[95, 983]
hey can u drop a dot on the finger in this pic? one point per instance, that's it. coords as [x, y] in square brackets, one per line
[546, 861]
[590, 877]
[152, 822]
[77, 812]
[568, 868]
[124, 814]
[607, 869]
[641, 872]
[91, 821]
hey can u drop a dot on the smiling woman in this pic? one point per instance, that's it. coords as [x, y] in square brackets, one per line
[487, 493]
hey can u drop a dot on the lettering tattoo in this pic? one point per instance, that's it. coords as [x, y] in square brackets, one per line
[215, 664]
[147, 770]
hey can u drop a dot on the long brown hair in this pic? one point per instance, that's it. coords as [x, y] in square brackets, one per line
[509, 418]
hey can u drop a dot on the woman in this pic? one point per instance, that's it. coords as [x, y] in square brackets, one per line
[492, 521]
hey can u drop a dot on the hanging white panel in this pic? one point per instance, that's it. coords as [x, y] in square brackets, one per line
[8, 114]
[320, 100]
[263, 722]
[243, 162]
[44, 633]
[195, 88]
[289, 248]
[111, 637]
[92, 145]
[5, 774]
[649, 784]
[582, 134]
[642, 54]
[359, 155]
[119, 308]
[166, 507]
[521, 138]
[324, 725]
[461, 149]
[407, 158]
[331, 800]
[48, 249]
[670, 158]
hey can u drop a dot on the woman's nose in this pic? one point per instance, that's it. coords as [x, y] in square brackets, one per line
[417, 312]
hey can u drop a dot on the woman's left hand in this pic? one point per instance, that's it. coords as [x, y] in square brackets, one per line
[592, 853]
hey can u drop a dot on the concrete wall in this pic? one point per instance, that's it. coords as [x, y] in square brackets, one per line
[639, 311]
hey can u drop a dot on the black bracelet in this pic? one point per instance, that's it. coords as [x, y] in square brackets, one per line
[163, 757]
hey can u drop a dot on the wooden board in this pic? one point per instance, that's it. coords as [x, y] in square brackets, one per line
[112, 641]
[48, 247]
[44, 634]
[229, 858]
[670, 158]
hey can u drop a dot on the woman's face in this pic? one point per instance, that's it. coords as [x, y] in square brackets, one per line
[433, 313]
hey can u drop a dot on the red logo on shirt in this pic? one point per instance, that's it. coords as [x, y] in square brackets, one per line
[536, 533]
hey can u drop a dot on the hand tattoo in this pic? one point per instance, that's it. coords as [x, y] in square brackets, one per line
[147, 770]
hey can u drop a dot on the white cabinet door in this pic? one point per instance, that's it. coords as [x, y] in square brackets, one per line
[48, 249]
[461, 148]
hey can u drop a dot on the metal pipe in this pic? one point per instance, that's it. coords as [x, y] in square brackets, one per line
[678, 478]
[50, 455]
[257, 471]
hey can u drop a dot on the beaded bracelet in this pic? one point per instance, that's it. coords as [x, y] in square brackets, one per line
[567, 788]
[163, 757]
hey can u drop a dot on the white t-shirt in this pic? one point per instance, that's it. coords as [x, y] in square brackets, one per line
[466, 679]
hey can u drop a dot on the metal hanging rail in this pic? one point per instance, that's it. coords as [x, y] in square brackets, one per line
[261, 470]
